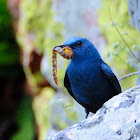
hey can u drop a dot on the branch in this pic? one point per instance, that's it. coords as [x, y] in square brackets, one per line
[128, 75]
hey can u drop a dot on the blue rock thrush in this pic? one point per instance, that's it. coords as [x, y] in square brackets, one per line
[88, 79]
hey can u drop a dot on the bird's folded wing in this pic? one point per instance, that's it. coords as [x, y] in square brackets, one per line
[111, 76]
[67, 85]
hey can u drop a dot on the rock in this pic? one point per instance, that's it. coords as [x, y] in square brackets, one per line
[134, 10]
[118, 119]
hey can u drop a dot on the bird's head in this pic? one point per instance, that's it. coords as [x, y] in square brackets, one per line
[78, 48]
[78, 45]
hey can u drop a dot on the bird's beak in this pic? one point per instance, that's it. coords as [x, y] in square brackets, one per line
[64, 51]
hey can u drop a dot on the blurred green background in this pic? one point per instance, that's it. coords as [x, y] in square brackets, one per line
[32, 106]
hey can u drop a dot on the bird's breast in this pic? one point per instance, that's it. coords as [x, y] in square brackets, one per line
[84, 74]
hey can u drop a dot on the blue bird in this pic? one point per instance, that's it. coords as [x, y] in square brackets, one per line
[88, 79]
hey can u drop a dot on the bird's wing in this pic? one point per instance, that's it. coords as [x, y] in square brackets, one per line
[67, 85]
[111, 76]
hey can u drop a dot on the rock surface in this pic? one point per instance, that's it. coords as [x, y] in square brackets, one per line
[134, 10]
[118, 119]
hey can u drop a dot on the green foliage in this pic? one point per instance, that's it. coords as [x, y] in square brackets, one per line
[10, 68]
[5, 18]
[25, 120]
[116, 51]
[9, 53]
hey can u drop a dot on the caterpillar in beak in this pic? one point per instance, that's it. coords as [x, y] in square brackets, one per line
[64, 51]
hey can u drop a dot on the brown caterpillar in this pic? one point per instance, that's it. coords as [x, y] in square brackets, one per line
[64, 51]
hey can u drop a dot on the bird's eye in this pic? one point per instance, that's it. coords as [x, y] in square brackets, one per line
[79, 43]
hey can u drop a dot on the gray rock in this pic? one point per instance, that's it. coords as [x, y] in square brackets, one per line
[118, 119]
[134, 11]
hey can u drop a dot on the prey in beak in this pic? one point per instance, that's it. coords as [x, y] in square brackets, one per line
[66, 52]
